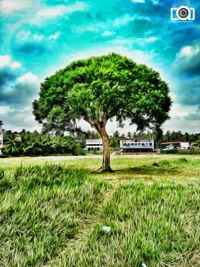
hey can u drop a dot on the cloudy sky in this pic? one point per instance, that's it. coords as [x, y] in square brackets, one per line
[38, 37]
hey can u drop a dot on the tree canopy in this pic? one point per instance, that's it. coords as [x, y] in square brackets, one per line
[100, 88]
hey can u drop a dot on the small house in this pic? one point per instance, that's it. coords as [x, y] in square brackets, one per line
[94, 145]
[175, 145]
[137, 145]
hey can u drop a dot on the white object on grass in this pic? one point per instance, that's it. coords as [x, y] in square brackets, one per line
[143, 265]
[106, 229]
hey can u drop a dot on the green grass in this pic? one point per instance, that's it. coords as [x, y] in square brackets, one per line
[51, 214]
[41, 209]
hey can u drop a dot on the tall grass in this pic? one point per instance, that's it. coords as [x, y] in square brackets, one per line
[156, 224]
[52, 215]
[41, 208]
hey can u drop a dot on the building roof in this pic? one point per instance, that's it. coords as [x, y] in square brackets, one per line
[94, 141]
[137, 140]
[175, 142]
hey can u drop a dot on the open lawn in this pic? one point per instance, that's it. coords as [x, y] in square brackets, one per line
[52, 211]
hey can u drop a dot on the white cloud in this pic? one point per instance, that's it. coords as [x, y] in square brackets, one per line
[188, 52]
[23, 35]
[183, 118]
[123, 20]
[17, 91]
[60, 10]
[15, 65]
[128, 42]
[122, 41]
[151, 39]
[184, 124]
[51, 12]
[54, 36]
[7, 62]
[87, 28]
[28, 78]
[107, 33]
[188, 59]
[180, 110]
[142, 57]
[4, 110]
[38, 37]
[27, 36]
[8, 7]
[138, 1]
[155, 2]
[17, 86]
[20, 90]
[18, 119]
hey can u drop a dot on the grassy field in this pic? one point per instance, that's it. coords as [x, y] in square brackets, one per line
[52, 212]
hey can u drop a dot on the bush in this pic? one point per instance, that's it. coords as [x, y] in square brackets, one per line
[171, 151]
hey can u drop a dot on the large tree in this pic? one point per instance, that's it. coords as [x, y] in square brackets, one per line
[101, 88]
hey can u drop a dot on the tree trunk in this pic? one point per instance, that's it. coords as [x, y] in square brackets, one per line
[106, 151]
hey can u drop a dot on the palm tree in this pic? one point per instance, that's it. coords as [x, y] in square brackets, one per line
[11, 147]
[59, 144]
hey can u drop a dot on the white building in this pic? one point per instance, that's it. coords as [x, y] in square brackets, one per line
[137, 145]
[174, 145]
[94, 145]
[1, 137]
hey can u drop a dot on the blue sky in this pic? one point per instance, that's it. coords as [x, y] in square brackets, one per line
[39, 37]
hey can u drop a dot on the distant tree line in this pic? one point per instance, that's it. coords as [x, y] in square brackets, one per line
[179, 136]
[28, 143]
[34, 143]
